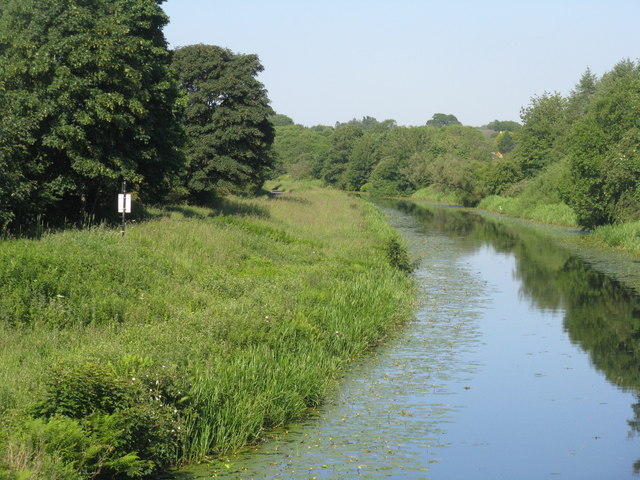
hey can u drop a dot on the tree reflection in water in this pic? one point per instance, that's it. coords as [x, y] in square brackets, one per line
[601, 315]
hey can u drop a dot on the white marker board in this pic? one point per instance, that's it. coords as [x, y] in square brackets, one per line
[124, 203]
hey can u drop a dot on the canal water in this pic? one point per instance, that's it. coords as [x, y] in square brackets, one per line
[522, 362]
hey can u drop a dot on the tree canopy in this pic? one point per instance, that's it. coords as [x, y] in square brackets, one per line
[442, 120]
[86, 101]
[226, 121]
[604, 160]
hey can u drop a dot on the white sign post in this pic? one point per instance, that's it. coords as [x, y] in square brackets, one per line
[124, 204]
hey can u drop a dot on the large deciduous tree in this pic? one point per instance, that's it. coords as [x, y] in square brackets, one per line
[226, 120]
[342, 143]
[544, 125]
[86, 101]
[443, 120]
[604, 144]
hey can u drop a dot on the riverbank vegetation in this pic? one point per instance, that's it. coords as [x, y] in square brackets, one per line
[194, 334]
[91, 97]
[572, 160]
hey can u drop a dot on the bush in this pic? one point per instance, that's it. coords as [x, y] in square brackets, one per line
[130, 427]
[397, 255]
[79, 391]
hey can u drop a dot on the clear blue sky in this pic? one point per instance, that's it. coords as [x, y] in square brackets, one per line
[333, 60]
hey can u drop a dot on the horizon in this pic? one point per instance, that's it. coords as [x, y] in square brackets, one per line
[407, 60]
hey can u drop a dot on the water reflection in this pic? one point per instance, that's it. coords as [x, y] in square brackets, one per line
[600, 315]
[473, 389]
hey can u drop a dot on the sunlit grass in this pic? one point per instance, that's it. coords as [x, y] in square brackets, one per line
[553, 213]
[258, 304]
[625, 236]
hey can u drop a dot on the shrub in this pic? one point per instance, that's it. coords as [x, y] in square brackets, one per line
[397, 255]
[79, 391]
[133, 424]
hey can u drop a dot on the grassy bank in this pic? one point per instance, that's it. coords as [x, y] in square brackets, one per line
[623, 236]
[432, 194]
[190, 337]
[552, 213]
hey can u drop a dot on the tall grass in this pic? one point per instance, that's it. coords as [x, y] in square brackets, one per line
[552, 213]
[537, 198]
[432, 194]
[625, 236]
[238, 317]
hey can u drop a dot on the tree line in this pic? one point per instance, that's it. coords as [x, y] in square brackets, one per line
[90, 96]
[580, 150]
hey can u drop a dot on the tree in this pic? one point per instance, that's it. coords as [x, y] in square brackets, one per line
[544, 125]
[461, 154]
[504, 142]
[86, 101]
[581, 96]
[603, 143]
[364, 156]
[342, 142]
[371, 125]
[300, 151]
[442, 120]
[503, 126]
[226, 120]
[280, 120]
[388, 178]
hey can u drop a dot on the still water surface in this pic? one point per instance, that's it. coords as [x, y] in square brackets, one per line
[522, 363]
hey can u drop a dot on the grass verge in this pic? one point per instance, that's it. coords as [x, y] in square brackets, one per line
[625, 236]
[551, 213]
[191, 336]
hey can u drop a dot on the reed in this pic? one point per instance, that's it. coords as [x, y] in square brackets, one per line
[625, 236]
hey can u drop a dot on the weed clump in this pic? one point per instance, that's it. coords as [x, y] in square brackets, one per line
[397, 255]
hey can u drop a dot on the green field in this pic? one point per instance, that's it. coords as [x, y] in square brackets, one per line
[191, 336]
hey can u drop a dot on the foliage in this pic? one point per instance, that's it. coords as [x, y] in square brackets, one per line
[581, 96]
[503, 126]
[500, 175]
[226, 120]
[434, 195]
[397, 255]
[86, 101]
[442, 120]
[246, 313]
[371, 125]
[504, 142]
[603, 162]
[539, 138]
[301, 152]
[280, 120]
[387, 178]
[364, 156]
[79, 391]
[342, 143]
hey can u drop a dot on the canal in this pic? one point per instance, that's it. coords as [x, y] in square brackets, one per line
[522, 362]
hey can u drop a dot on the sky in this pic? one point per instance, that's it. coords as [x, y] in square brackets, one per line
[328, 61]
